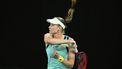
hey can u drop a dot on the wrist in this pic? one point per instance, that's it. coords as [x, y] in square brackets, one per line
[60, 59]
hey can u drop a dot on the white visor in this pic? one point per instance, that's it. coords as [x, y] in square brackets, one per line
[56, 21]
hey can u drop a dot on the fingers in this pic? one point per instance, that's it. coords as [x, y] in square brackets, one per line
[74, 46]
[71, 41]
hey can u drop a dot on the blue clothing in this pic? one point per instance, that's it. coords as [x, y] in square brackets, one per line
[53, 63]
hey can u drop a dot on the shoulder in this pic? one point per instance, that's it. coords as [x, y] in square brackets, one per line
[47, 36]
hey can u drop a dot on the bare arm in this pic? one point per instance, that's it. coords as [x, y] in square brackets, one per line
[71, 59]
[69, 62]
[50, 40]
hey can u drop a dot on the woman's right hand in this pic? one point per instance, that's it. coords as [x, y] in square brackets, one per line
[71, 41]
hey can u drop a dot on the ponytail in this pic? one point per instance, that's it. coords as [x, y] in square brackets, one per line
[70, 13]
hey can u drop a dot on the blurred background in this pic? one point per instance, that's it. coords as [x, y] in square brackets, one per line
[95, 27]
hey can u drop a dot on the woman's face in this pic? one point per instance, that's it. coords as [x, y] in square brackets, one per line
[53, 28]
